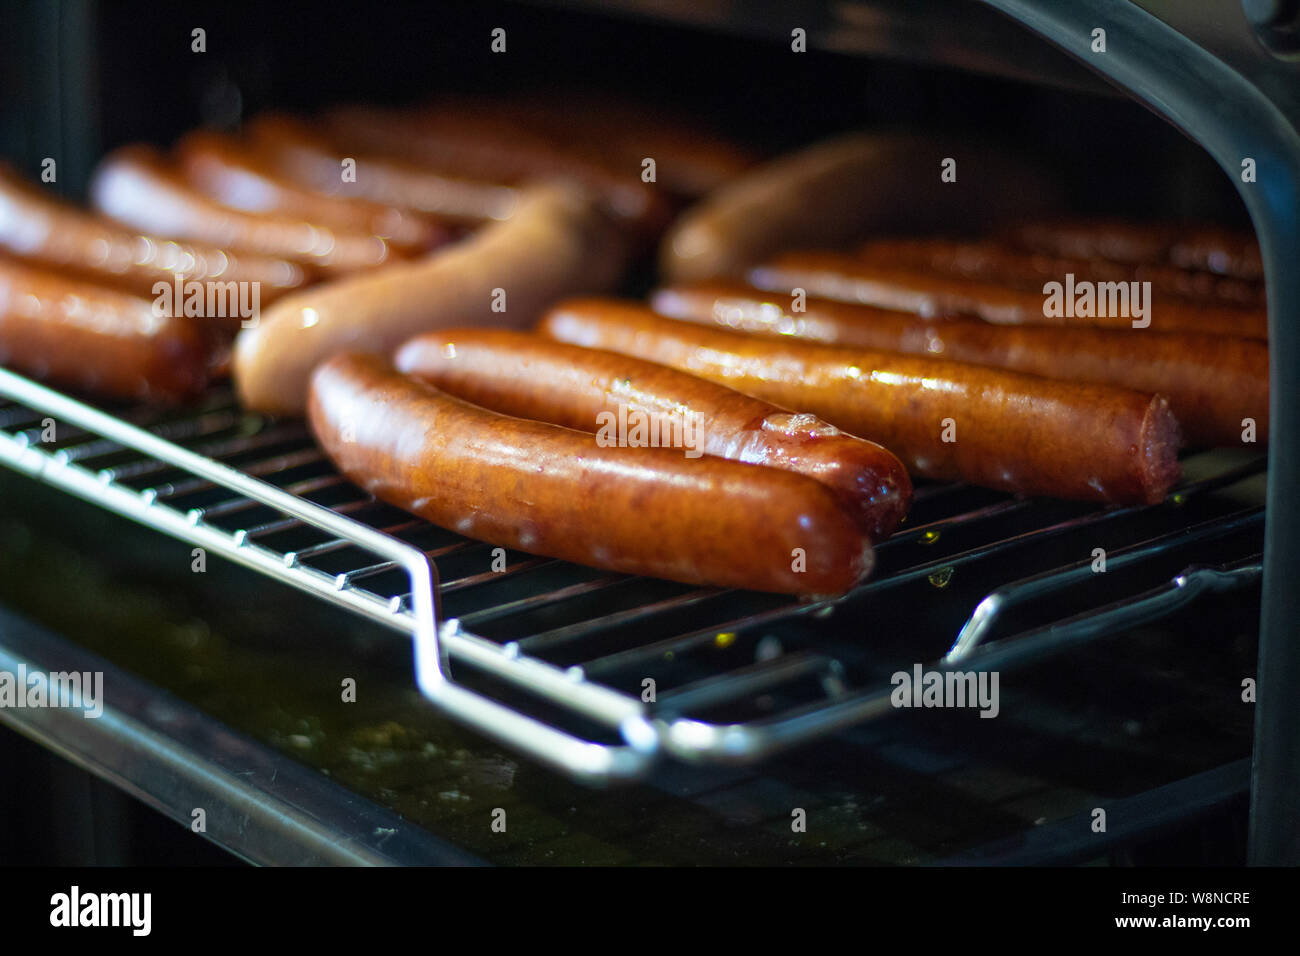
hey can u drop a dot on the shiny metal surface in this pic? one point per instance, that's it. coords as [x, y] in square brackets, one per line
[256, 803]
[581, 640]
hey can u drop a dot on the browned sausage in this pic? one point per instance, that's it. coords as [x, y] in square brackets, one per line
[833, 193]
[298, 152]
[642, 403]
[1229, 252]
[553, 491]
[691, 159]
[556, 243]
[1213, 382]
[848, 278]
[89, 337]
[459, 143]
[54, 234]
[233, 173]
[135, 186]
[943, 419]
[995, 262]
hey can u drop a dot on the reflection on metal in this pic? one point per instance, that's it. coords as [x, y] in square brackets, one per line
[244, 487]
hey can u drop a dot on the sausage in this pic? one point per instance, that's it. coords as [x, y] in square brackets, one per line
[848, 278]
[556, 243]
[945, 420]
[554, 491]
[298, 152]
[232, 173]
[1229, 252]
[836, 192]
[995, 262]
[134, 186]
[594, 391]
[691, 159]
[1212, 382]
[479, 145]
[85, 336]
[54, 234]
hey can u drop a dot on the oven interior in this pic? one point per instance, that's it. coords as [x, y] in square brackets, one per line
[1120, 691]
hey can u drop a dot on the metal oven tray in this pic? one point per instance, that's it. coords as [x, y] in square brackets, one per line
[557, 661]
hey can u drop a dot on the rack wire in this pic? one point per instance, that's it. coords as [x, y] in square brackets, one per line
[599, 675]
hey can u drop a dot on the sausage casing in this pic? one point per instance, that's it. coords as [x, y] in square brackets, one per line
[135, 186]
[1224, 251]
[946, 420]
[54, 234]
[233, 173]
[636, 401]
[553, 491]
[556, 243]
[457, 142]
[849, 278]
[84, 336]
[995, 262]
[1213, 382]
[304, 156]
[835, 192]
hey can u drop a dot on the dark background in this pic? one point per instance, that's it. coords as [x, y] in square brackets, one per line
[81, 77]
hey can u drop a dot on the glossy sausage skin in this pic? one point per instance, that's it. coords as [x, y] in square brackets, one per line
[516, 373]
[1004, 429]
[1212, 382]
[995, 262]
[135, 186]
[847, 278]
[553, 491]
[557, 243]
[300, 153]
[87, 337]
[835, 192]
[233, 173]
[1229, 252]
[48, 232]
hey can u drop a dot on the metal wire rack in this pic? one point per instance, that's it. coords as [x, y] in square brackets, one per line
[600, 675]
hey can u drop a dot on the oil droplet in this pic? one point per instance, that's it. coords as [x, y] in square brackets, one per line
[1178, 500]
[929, 537]
[941, 577]
[723, 640]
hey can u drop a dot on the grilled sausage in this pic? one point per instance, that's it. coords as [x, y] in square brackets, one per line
[553, 491]
[994, 262]
[298, 152]
[53, 234]
[947, 420]
[590, 390]
[555, 244]
[135, 186]
[84, 336]
[460, 143]
[834, 193]
[232, 173]
[1212, 382]
[848, 278]
[1228, 252]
